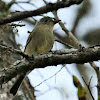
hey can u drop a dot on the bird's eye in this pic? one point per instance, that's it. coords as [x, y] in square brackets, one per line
[53, 19]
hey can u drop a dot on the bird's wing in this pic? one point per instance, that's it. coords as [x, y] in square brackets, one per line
[28, 40]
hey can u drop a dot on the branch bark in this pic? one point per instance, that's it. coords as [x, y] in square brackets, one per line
[49, 7]
[65, 56]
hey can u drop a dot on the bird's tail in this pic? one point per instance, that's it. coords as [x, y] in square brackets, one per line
[16, 85]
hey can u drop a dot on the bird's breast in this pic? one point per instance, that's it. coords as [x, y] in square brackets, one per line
[42, 41]
[46, 41]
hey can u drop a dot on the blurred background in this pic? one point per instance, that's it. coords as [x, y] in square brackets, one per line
[56, 82]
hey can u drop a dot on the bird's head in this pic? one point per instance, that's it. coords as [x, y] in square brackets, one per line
[48, 21]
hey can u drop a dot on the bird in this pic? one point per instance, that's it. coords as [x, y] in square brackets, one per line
[40, 40]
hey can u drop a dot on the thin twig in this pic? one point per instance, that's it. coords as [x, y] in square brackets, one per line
[67, 45]
[49, 77]
[45, 1]
[88, 86]
[28, 2]
[42, 77]
[90, 80]
[11, 3]
[13, 24]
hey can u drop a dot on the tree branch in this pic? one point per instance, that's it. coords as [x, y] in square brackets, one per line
[10, 49]
[65, 56]
[49, 7]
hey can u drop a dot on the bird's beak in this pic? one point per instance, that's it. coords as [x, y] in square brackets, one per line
[56, 21]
